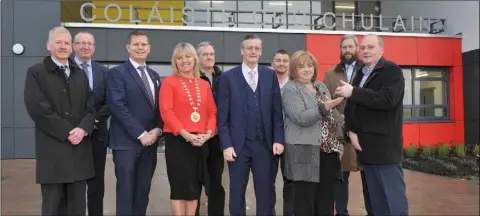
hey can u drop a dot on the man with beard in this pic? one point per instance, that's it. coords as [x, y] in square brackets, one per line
[280, 64]
[215, 162]
[346, 70]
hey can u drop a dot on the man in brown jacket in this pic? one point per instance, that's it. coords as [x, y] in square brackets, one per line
[345, 71]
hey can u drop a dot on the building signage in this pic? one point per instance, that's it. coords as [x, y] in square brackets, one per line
[363, 21]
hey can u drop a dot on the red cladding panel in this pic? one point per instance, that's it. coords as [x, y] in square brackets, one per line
[435, 51]
[457, 52]
[435, 133]
[325, 48]
[411, 135]
[401, 50]
[459, 132]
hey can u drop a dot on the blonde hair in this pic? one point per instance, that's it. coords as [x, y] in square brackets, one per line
[185, 48]
[302, 58]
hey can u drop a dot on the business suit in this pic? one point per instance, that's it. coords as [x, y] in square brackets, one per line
[57, 104]
[132, 114]
[250, 122]
[96, 186]
[374, 112]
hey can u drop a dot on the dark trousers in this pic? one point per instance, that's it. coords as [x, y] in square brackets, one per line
[257, 156]
[318, 198]
[287, 188]
[215, 164]
[341, 195]
[96, 185]
[134, 172]
[386, 189]
[64, 199]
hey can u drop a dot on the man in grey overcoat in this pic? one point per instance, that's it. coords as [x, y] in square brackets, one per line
[60, 103]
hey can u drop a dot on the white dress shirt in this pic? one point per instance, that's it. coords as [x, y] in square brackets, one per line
[150, 82]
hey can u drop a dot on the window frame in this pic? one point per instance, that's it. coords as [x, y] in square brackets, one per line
[445, 94]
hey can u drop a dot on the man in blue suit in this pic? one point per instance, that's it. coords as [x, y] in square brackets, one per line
[84, 47]
[250, 123]
[132, 97]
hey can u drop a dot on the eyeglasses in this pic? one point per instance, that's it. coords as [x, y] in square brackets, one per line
[84, 43]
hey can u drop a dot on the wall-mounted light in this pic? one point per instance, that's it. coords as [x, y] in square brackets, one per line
[279, 3]
[18, 49]
[344, 7]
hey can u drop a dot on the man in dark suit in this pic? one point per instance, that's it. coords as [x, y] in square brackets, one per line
[58, 100]
[373, 122]
[250, 122]
[84, 48]
[135, 125]
[215, 162]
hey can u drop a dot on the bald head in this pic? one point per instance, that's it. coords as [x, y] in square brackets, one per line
[371, 49]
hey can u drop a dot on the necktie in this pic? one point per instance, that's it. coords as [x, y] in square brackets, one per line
[147, 85]
[63, 68]
[251, 81]
[85, 69]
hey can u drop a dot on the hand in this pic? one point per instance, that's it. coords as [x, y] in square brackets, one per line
[156, 132]
[147, 139]
[76, 135]
[193, 139]
[229, 154]
[277, 149]
[340, 154]
[330, 104]
[354, 139]
[202, 138]
[344, 90]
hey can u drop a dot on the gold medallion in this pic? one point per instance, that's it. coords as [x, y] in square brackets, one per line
[195, 117]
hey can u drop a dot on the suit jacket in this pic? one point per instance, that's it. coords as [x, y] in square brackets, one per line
[232, 108]
[332, 80]
[99, 74]
[375, 113]
[57, 105]
[131, 111]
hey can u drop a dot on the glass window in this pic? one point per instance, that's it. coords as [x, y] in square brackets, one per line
[222, 19]
[299, 19]
[425, 94]
[275, 14]
[247, 19]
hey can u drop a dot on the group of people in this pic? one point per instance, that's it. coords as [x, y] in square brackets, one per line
[254, 117]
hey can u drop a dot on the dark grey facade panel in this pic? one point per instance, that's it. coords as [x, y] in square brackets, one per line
[7, 92]
[32, 20]
[471, 93]
[8, 143]
[110, 43]
[7, 27]
[21, 117]
[24, 142]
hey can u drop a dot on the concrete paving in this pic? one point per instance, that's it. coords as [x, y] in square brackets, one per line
[427, 194]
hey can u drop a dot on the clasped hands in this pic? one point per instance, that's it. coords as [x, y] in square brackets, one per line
[344, 90]
[230, 155]
[197, 139]
[76, 136]
[150, 137]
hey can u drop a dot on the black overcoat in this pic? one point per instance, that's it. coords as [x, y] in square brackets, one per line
[57, 105]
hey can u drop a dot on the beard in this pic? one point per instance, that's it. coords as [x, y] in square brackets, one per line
[350, 60]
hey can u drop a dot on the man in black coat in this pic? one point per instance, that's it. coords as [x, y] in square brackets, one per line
[374, 122]
[84, 48]
[215, 162]
[60, 103]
